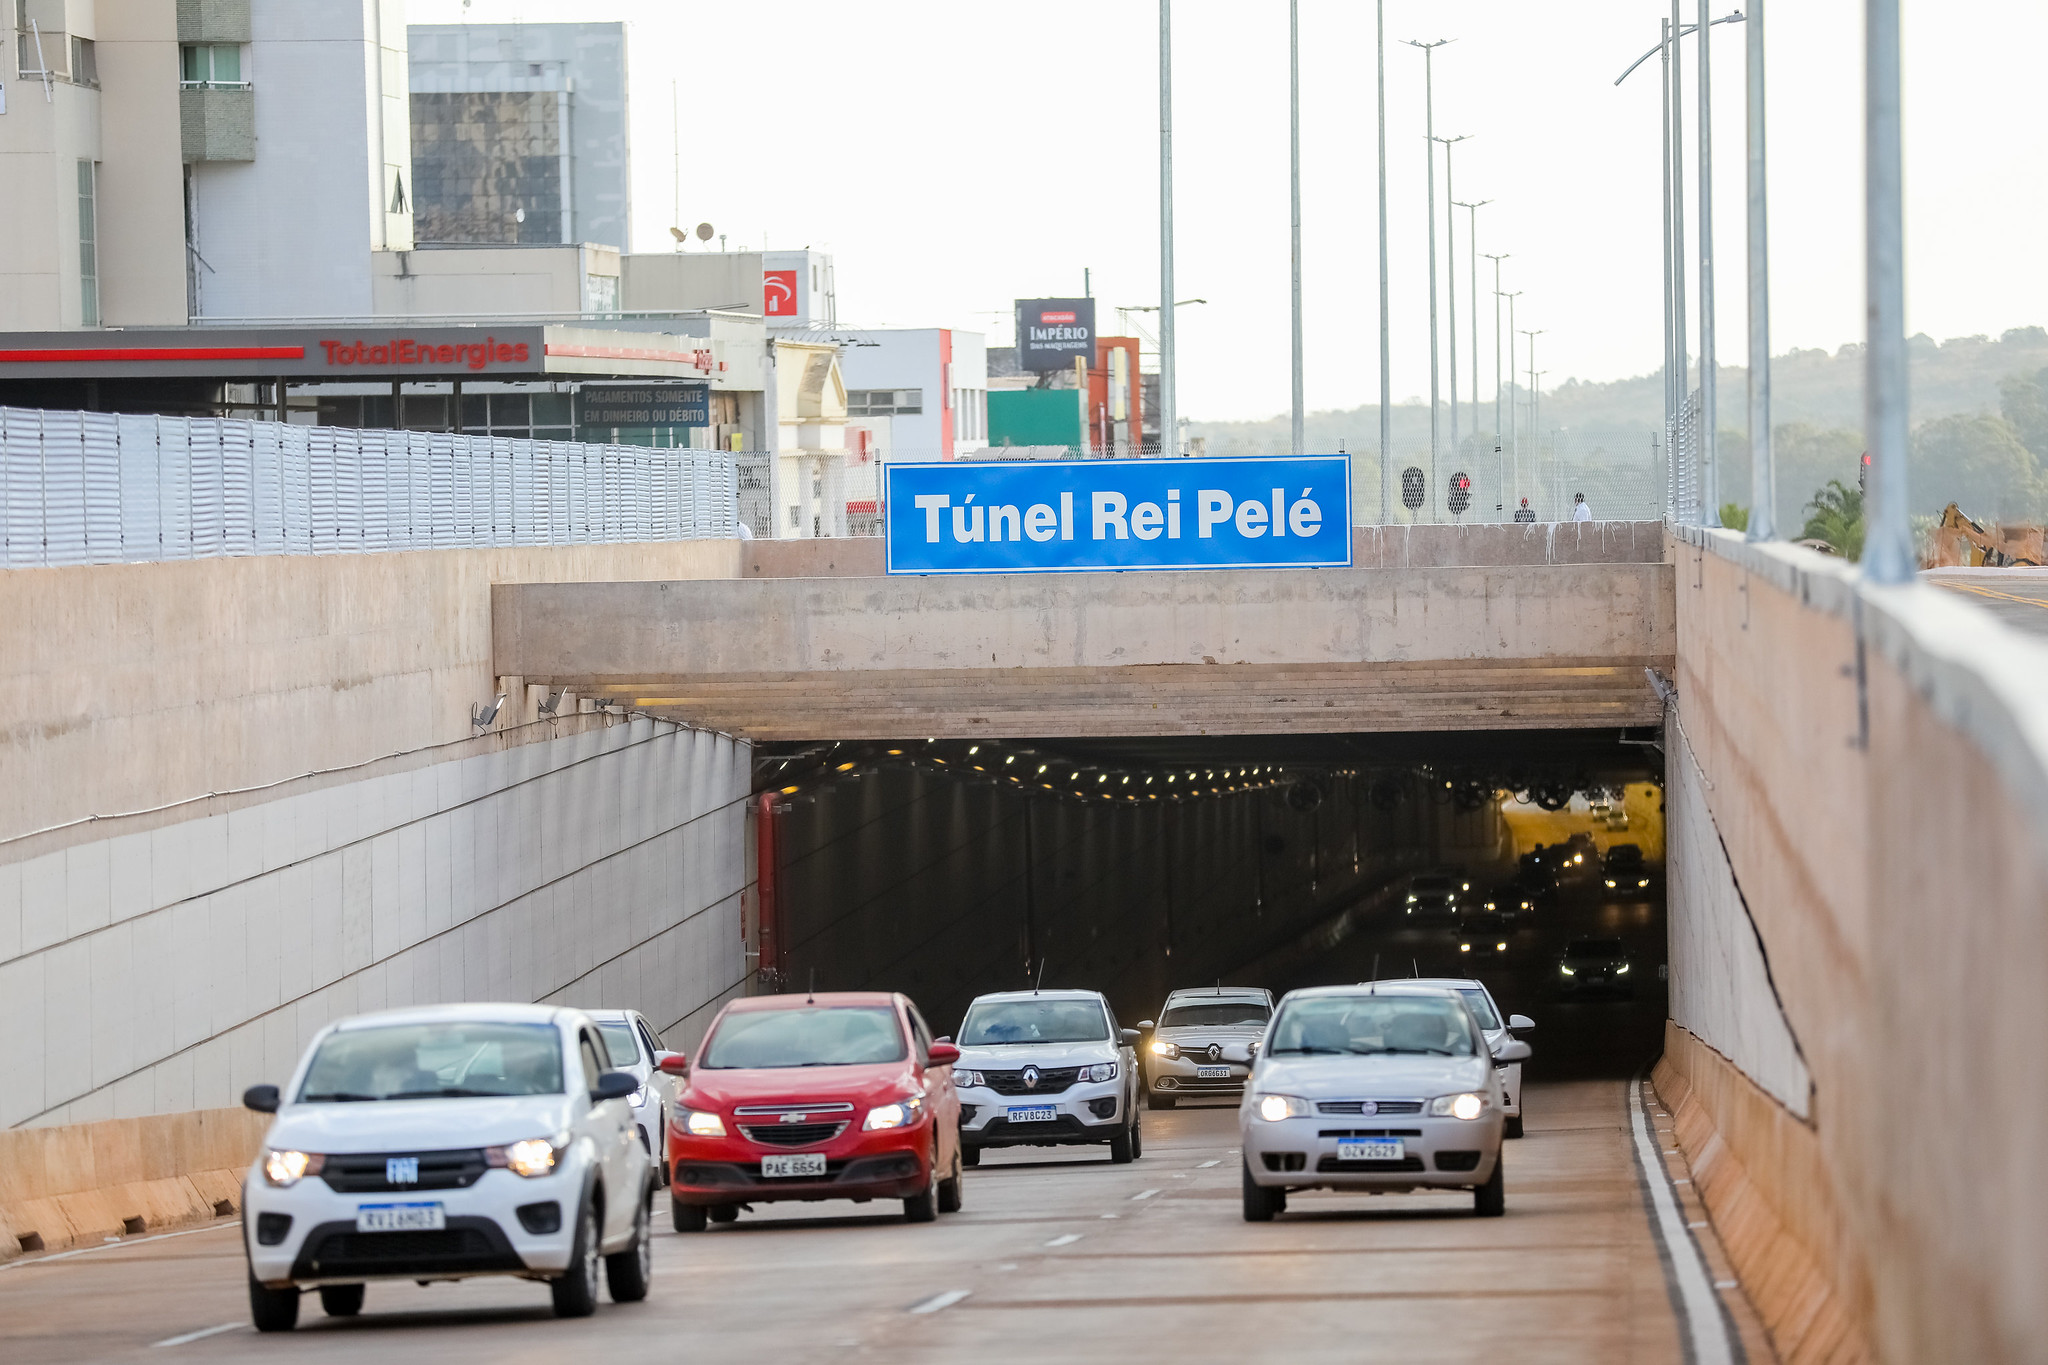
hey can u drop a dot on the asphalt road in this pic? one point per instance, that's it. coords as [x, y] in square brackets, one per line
[2018, 597]
[1059, 1255]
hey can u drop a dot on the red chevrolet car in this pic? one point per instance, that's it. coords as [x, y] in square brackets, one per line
[825, 1096]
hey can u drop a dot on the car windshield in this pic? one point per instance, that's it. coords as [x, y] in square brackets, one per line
[1366, 1024]
[1624, 855]
[1430, 884]
[1214, 1014]
[420, 1061]
[619, 1042]
[837, 1035]
[1594, 947]
[1034, 1021]
[1482, 1008]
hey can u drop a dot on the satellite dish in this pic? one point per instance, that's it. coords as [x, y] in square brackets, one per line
[705, 232]
[679, 234]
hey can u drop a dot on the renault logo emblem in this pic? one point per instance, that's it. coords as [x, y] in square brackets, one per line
[1215, 1052]
[1031, 1078]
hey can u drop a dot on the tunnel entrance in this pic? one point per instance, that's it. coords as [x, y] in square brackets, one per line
[948, 868]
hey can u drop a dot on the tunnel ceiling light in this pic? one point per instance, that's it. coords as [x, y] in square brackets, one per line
[1127, 779]
[1148, 781]
[895, 751]
[1103, 778]
[939, 761]
[844, 768]
[1169, 777]
[789, 791]
[973, 749]
[1011, 759]
[1042, 767]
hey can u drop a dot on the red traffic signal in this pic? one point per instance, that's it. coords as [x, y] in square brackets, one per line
[1461, 493]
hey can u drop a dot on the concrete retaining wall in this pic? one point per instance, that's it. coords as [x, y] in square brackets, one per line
[1877, 767]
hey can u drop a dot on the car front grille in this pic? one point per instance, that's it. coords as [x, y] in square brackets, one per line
[1332, 1164]
[1379, 1106]
[793, 1134]
[364, 1172]
[1370, 1132]
[1051, 1081]
[466, 1246]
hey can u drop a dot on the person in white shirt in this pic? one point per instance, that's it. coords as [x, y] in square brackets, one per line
[1580, 512]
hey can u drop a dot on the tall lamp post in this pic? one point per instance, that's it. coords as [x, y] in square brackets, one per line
[1451, 281]
[1429, 145]
[1888, 542]
[1499, 446]
[1169, 437]
[1294, 196]
[1710, 467]
[1763, 471]
[1535, 432]
[1514, 422]
[1386, 360]
[1472, 249]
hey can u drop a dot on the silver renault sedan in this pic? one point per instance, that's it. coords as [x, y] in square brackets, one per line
[1381, 1088]
[1204, 1043]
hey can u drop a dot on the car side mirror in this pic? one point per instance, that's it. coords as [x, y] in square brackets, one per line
[1513, 1050]
[947, 1039]
[1520, 1023]
[1130, 1037]
[672, 1063]
[941, 1054]
[1144, 1024]
[263, 1099]
[614, 1085]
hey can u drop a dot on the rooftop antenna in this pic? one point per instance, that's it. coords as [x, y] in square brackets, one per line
[811, 992]
[1041, 977]
[1374, 989]
[1414, 970]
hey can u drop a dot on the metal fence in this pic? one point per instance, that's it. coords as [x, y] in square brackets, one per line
[103, 488]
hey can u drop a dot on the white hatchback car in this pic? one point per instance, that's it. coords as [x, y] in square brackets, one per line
[1499, 1029]
[635, 1048]
[1047, 1069]
[1374, 1088]
[446, 1142]
[1204, 1043]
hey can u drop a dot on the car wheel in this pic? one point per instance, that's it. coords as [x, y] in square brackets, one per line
[686, 1217]
[341, 1300]
[723, 1213]
[628, 1273]
[923, 1207]
[1260, 1203]
[1161, 1100]
[951, 1190]
[969, 1156]
[1137, 1136]
[1491, 1199]
[1121, 1147]
[575, 1289]
[1513, 1127]
[272, 1310]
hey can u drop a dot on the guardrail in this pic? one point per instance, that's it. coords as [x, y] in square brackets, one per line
[105, 488]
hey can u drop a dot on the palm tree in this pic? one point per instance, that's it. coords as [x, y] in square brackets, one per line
[1836, 516]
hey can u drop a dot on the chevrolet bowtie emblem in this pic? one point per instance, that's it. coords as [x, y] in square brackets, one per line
[1031, 1078]
[793, 1118]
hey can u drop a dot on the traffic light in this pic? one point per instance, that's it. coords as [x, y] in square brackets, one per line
[1863, 473]
[1461, 493]
[1411, 488]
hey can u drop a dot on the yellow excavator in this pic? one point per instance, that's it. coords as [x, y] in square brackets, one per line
[1959, 542]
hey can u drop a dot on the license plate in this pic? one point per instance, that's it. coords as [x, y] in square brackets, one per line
[1212, 1073]
[1371, 1149]
[428, 1217]
[797, 1163]
[1033, 1113]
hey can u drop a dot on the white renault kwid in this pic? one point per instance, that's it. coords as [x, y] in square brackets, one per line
[1047, 1069]
[441, 1143]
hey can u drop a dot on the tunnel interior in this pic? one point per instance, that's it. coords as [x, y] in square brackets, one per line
[946, 868]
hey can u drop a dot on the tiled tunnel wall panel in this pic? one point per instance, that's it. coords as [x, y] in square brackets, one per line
[166, 970]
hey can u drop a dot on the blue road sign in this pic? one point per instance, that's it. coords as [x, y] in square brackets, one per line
[1068, 516]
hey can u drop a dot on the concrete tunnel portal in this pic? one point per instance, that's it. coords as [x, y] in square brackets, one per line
[946, 868]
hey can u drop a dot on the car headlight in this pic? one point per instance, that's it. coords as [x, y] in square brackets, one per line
[699, 1123]
[1622, 970]
[1490, 905]
[286, 1169]
[1411, 898]
[1464, 947]
[1465, 886]
[962, 1079]
[1642, 881]
[1525, 905]
[1610, 883]
[1566, 970]
[1500, 947]
[1166, 1049]
[898, 1115]
[1466, 1106]
[1273, 1108]
[531, 1158]
[1101, 1071]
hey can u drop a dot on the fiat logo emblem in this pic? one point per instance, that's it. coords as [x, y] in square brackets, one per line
[1215, 1052]
[1031, 1078]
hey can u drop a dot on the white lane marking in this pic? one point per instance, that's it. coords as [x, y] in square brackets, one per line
[126, 1242]
[1695, 1225]
[199, 1335]
[939, 1301]
[1112, 1215]
[1143, 1194]
[1066, 1240]
[1207, 1164]
[1724, 1284]
[1700, 1310]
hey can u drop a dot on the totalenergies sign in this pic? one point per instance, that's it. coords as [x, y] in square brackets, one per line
[473, 355]
[1051, 332]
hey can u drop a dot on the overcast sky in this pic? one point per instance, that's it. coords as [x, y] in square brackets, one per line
[954, 156]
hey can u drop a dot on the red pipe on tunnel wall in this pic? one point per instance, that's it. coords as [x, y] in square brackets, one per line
[764, 878]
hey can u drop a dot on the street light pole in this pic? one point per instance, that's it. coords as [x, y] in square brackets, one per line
[1535, 432]
[1429, 140]
[1451, 281]
[1472, 248]
[1888, 543]
[1514, 422]
[1710, 468]
[1386, 360]
[1169, 438]
[1763, 473]
[1673, 377]
[1294, 196]
[1499, 461]
[1679, 346]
